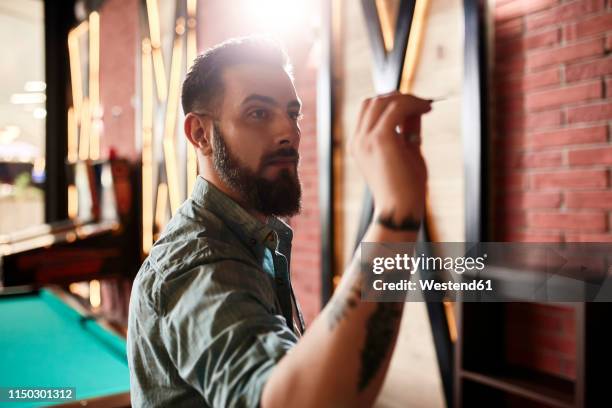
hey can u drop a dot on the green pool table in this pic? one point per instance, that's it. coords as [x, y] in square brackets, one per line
[48, 339]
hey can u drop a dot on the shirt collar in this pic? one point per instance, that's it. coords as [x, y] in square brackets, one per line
[248, 228]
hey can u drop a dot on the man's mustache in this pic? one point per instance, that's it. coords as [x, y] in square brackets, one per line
[285, 153]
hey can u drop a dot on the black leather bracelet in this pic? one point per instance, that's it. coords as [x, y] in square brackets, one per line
[407, 224]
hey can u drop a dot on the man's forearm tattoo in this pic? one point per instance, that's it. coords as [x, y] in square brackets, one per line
[339, 308]
[406, 224]
[380, 335]
[381, 327]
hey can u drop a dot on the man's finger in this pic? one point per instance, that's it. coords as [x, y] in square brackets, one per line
[399, 110]
[362, 111]
[375, 110]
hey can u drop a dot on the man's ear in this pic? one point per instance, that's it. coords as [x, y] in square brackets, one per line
[199, 130]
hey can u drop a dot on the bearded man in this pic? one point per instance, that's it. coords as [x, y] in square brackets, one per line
[213, 318]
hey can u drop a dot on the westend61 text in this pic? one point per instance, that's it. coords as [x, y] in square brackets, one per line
[430, 284]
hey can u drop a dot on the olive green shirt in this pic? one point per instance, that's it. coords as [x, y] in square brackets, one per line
[211, 310]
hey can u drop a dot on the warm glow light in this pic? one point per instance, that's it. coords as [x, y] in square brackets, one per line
[160, 207]
[84, 134]
[72, 136]
[387, 26]
[94, 85]
[414, 45]
[39, 113]
[28, 98]
[95, 296]
[79, 288]
[192, 48]
[158, 59]
[35, 86]
[450, 317]
[75, 66]
[153, 18]
[277, 17]
[73, 201]
[147, 147]
[171, 119]
[192, 51]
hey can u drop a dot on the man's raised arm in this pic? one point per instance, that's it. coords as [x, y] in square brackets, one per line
[342, 358]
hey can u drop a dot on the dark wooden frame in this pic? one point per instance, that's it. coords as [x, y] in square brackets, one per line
[325, 144]
[59, 20]
[387, 76]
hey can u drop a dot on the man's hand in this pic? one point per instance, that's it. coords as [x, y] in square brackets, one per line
[342, 359]
[386, 146]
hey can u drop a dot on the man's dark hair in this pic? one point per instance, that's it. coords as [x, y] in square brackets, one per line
[203, 84]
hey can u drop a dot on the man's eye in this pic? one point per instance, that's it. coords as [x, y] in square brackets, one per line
[296, 115]
[259, 114]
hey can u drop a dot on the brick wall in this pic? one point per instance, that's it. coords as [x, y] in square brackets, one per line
[119, 47]
[552, 91]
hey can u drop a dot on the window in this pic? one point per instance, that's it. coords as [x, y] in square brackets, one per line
[22, 114]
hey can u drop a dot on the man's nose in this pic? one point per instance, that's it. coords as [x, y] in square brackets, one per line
[288, 133]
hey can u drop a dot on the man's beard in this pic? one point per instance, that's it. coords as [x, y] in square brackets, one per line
[280, 197]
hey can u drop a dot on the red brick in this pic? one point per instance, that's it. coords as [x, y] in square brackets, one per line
[569, 136]
[517, 47]
[118, 33]
[563, 96]
[535, 236]
[570, 179]
[589, 199]
[609, 42]
[561, 344]
[587, 70]
[510, 67]
[508, 29]
[590, 26]
[538, 120]
[514, 180]
[509, 50]
[564, 12]
[609, 88]
[525, 200]
[531, 121]
[601, 155]
[590, 113]
[518, 8]
[520, 84]
[541, 159]
[563, 54]
[543, 39]
[511, 141]
[534, 317]
[511, 104]
[511, 220]
[580, 237]
[568, 368]
[541, 360]
[589, 221]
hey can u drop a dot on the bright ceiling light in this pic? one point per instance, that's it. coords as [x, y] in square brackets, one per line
[40, 113]
[9, 133]
[35, 86]
[279, 17]
[28, 98]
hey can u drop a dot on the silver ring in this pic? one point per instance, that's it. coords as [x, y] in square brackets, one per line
[414, 138]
